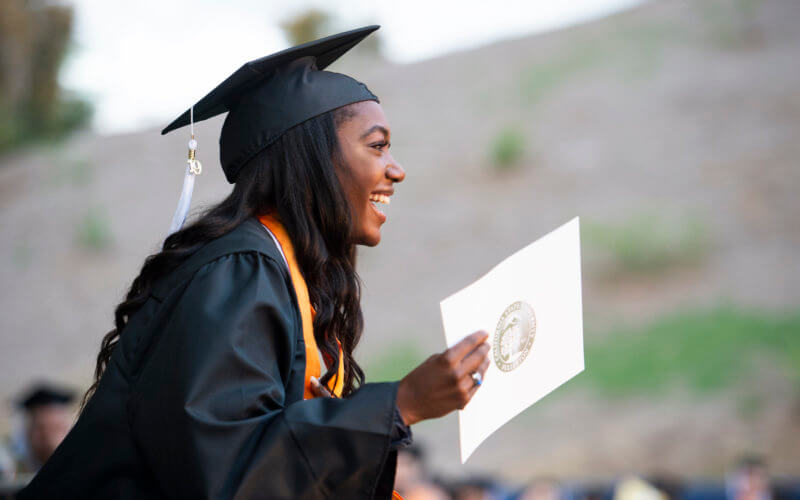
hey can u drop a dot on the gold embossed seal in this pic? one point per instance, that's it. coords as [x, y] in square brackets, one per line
[514, 336]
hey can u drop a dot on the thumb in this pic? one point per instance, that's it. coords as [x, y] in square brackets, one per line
[318, 389]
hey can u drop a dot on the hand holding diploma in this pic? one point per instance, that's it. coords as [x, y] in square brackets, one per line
[444, 382]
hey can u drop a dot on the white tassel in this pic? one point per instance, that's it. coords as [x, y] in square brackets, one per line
[185, 200]
[193, 168]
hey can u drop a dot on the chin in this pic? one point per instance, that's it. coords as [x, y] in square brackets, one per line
[369, 239]
[371, 242]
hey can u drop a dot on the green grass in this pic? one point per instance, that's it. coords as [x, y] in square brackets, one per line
[632, 51]
[645, 243]
[507, 148]
[541, 79]
[394, 363]
[70, 171]
[704, 350]
[732, 24]
[93, 231]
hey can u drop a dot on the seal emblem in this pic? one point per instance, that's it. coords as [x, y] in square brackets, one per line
[514, 335]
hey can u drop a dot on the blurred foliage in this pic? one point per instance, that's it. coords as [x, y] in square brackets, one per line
[644, 244]
[394, 363]
[312, 24]
[507, 148]
[707, 350]
[34, 38]
[93, 231]
[307, 26]
[71, 170]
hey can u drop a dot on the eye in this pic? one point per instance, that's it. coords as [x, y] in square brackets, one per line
[380, 145]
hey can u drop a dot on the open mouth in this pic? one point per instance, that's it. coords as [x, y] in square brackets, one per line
[379, 202]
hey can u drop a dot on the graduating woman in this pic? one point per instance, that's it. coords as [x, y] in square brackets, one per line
[230, 371]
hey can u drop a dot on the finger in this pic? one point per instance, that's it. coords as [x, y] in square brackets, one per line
[315, 389]
[472, 392]
[318, 389]
[321, 391]
[468, 385]
[473, 361]
[466, 345]
[484, 366]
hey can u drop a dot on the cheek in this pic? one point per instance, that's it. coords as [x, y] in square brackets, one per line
[361, 180]
[349, 185]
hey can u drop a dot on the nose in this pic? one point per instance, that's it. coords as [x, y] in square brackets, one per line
[395, 172]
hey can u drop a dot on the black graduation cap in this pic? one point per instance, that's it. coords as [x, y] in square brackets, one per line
[45, 394]
[268, 96]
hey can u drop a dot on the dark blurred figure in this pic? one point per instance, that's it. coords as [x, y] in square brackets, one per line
[597, 493]
[48, 418]
[478, 488]
[413, 480]
[541, 489]
[410, 468]
[671, 486]
[426, 491]
[749, 480]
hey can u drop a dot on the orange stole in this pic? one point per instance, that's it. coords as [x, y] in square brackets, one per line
[306, 316]
[336, 384]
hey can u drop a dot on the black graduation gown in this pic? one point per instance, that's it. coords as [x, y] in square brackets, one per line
[203, 397]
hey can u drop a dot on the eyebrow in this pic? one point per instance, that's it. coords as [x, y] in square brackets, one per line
[372, 129]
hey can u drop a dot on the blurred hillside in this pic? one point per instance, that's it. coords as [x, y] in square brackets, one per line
[670, 129]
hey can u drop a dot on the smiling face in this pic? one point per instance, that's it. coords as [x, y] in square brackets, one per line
[369, 171]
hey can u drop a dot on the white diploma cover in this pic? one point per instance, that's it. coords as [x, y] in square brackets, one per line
[530, 305]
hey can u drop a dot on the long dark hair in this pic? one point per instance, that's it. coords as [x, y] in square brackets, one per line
[296, 177]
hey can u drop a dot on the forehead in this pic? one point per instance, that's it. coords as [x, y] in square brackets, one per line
[49, 411]
[362, 116]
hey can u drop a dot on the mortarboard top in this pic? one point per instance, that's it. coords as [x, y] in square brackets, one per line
[45, 394]
[268, 96]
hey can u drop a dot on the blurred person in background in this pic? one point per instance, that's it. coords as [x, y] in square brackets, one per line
[595, 492]
[541, 489]
[411, 468]
[413, 479]
[478, 488]
[749, 480]
[669, 485]
[635, 488]
[48, 418]
[426, 491]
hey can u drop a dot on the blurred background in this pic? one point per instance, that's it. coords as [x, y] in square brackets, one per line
[672, 128]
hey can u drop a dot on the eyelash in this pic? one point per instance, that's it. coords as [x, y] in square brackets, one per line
[380, 145]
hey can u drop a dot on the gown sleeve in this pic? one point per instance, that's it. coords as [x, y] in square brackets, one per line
[209, 412]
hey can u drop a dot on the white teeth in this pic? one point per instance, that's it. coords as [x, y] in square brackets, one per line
[379, 198]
